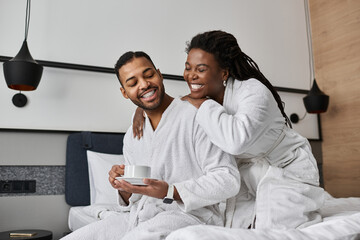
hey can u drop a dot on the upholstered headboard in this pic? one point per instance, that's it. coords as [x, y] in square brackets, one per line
[77, 188]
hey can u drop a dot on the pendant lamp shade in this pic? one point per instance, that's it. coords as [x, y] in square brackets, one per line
[22, 72]
[316, 101]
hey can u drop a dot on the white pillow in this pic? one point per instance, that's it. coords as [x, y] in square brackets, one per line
[101, 191]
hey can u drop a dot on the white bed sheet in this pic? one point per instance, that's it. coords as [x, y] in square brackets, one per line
[78, 217]
[341, 221]
[83, 215]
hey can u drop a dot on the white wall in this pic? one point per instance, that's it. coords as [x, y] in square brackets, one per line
[94, 32]
[87, 101]
[48, 212]
[74, 100]
[34, 212]
[32, 149]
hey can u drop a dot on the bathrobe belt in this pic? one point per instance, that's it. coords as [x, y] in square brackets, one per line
[242, 164]
[241, 161]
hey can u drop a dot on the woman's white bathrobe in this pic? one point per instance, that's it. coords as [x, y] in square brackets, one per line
[279, 174]
[180, 153]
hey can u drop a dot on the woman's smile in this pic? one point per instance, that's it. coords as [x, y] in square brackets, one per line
[196, 87]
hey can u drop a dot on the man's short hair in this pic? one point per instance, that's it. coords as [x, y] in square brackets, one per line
[127, 57]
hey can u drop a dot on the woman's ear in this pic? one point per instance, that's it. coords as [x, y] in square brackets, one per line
[225, 74]
[124, 93]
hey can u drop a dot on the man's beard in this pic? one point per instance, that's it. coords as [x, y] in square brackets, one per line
[156, 105]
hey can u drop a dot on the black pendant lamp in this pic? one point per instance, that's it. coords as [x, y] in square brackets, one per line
[22, 72]
[316, 101]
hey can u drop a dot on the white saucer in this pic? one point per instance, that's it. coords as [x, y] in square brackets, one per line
[132, 180]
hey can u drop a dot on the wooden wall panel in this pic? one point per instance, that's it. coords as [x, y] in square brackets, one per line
[336, 45]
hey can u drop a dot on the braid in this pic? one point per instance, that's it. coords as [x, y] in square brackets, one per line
[228, 54]
[260, 76]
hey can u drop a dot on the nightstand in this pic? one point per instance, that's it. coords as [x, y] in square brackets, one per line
[40, 234]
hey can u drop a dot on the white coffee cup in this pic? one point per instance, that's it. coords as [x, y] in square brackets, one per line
[137, 171]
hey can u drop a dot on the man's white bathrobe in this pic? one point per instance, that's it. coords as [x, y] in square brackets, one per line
[279, 173]
[180, 153]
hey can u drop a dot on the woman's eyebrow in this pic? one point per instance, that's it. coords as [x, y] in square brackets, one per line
[198, 65]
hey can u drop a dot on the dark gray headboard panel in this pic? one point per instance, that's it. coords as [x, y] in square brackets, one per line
[77, 189]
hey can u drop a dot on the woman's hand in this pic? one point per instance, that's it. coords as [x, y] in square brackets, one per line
[194, 101]
[138, 123]
[154, 188]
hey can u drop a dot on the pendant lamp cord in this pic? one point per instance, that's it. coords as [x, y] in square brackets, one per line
[309, 38]
[27, 18]
[303, 116]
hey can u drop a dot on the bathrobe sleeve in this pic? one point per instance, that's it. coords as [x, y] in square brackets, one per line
[220, 179]
[236, 132]
[127, 152]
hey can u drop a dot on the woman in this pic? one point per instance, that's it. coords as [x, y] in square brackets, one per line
[242, 114]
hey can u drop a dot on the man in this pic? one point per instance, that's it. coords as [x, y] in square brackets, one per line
[189, 175]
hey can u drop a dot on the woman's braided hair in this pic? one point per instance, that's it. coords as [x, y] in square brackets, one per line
[229, 56]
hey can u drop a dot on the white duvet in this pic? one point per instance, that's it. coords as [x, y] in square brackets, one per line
[342, 228]
[341, 220]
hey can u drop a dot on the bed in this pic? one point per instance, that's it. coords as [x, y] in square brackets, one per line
[341, 221]
[89, 157]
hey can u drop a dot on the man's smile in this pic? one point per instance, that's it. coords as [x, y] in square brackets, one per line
[149, 94]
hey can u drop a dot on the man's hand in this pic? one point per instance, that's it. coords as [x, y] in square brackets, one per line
[194, 101]
[117, 171]
[154, 188]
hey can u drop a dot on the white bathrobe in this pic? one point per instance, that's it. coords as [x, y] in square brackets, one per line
[180, 153]
[278, 170]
